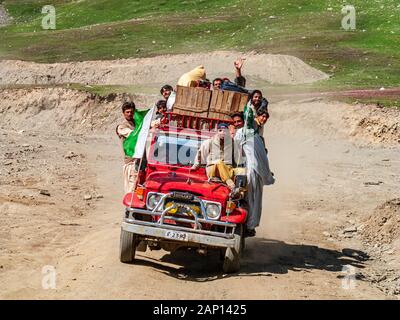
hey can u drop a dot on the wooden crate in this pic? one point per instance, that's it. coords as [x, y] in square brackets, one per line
[192, 101]
[202, 102]
[224, 103]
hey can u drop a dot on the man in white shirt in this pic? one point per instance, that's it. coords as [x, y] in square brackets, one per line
[130, 168]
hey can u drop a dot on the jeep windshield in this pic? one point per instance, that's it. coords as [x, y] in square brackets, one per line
[175, 148]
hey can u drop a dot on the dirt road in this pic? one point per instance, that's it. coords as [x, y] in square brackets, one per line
[325, 184]
[327, 230]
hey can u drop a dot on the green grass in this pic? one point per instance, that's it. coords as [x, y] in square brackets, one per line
[309, 29]
[391, 102]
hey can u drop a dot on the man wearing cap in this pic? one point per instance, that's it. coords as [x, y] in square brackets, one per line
[218, 154]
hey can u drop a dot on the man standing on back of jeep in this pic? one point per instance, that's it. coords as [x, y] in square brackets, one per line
[239, 79]
[123, 130]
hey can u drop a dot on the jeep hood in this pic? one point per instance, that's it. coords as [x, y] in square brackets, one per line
[164, 182]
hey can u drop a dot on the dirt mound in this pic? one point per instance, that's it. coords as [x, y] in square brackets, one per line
[279, 69]
[383, 226]
[378, 124]
[54, 109]
[364, 124]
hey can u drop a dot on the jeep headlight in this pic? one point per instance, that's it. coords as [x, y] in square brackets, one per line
[153, 199]
[213, 210]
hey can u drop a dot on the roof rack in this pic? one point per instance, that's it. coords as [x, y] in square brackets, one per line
[192, 121]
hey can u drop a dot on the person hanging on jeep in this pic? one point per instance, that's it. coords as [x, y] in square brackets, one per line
[216, 84]
[217, 153]
[161, 106]
[169, 95]
[240, 81]
[161, 109]
[238, 122]
[256, 98]
[123, 130]
[166, 91]
[256, 102]
[260, 120]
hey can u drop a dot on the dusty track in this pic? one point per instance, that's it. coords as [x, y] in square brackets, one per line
[334, 163]
[320, 188]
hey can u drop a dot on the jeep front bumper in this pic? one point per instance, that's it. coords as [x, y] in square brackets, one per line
[160, 233]
[156, 224]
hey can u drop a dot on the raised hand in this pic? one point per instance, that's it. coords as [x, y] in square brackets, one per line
[239, 63]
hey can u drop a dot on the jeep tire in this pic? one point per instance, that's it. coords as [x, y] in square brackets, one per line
[231, 262]
[128, 243]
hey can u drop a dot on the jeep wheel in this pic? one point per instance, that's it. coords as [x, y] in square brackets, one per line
[127, 249]
[232, 255]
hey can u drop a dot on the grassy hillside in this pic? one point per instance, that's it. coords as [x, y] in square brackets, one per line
[308, 29]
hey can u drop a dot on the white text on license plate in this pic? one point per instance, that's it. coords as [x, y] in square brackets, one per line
[175, 235]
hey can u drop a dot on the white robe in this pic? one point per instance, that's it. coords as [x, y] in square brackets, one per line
[258, 172]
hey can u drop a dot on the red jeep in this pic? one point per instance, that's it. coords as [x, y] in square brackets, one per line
[175, 206]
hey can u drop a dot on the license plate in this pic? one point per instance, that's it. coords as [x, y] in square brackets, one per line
[182, 195]
[175, 235]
